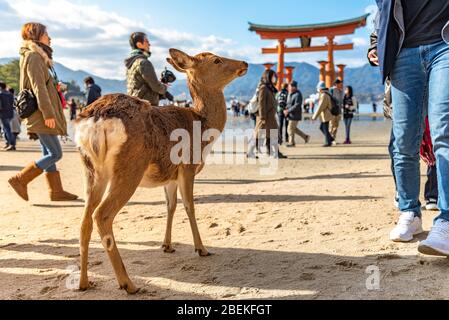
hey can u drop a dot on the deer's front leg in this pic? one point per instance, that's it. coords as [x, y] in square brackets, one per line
[186, 183]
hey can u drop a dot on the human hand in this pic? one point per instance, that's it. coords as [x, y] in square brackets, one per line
[51, 123]
[372, 56]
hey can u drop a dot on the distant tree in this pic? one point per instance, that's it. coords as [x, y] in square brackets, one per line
[10, 74]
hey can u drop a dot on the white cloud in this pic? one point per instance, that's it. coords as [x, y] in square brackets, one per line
[372, 10]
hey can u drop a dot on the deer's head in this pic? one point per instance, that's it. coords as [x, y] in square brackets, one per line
[207, 69]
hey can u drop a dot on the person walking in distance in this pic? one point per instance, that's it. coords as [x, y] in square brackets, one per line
[324, 113]
[6, 116]
[293, 113]
[93, 91]
[46, 123]
[337, 92]
[282, 98]
[349, 107]
[73, 109]
[266, 120]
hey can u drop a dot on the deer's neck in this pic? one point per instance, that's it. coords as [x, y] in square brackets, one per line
[210, 104]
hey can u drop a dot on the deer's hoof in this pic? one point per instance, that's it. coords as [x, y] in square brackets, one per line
[130, 288]
[203, 253]
[86, 285]
[168, 248]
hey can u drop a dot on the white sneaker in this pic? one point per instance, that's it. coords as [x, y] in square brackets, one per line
[437, 243]
[407, 227]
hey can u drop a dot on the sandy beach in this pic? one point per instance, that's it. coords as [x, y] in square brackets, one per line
[310, 231]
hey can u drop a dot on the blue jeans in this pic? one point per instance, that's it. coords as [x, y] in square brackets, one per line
[348, 123]
[420, 86]
[52, 151]
[9, 136]
[324, 127]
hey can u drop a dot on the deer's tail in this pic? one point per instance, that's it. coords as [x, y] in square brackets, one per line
[100, 140]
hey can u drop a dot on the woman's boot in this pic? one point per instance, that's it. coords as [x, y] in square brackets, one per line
[20, 181]
[57, 193]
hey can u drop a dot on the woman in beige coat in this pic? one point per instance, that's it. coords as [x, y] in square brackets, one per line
[48, 122]
[324, 113]
[266, 124]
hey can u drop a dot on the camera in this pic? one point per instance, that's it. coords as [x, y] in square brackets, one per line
[167, 77]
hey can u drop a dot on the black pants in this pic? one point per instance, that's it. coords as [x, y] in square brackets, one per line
[324, 127]
[283, 123]
[431, 188]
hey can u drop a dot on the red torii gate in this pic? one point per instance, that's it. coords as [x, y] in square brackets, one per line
[305, 33]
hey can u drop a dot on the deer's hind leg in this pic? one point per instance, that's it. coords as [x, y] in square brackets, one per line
[172, 198]
[95, 186]
[122, 186]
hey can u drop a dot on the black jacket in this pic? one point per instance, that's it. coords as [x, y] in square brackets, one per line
[282, 100]
[6, 105]
[294, 106]
[93, 93]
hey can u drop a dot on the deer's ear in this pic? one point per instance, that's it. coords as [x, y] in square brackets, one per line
[170, 61]
[180, 61]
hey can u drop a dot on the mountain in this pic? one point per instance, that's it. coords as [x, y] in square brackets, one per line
[365, 80]
[6, 60]
[108, 86]
[67, 75]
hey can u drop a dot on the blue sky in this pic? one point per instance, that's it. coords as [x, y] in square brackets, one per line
[93, 34]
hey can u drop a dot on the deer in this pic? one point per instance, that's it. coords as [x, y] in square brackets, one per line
[125, 143]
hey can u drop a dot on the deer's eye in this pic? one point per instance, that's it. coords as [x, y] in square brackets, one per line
[218, 61]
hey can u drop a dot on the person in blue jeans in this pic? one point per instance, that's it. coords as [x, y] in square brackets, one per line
[413, 50]
[349, 108]
[6, 115]
[48, 121]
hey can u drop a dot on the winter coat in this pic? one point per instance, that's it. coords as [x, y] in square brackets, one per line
[390, 28]
[266, 119]
[93, 93]
[6, 105]
[294, 106]
[282, 100]
[142, 79]
[35, 76]
[324, 108]
[349, 107]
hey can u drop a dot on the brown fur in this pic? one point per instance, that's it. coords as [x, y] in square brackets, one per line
[145, 156]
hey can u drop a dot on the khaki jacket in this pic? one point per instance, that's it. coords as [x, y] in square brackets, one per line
[143, 82]
[35, 76]
[324, 108]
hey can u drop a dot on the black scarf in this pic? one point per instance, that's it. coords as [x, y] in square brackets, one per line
[47, 49]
